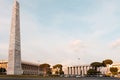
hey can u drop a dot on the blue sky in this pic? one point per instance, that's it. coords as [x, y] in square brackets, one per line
[61, 31]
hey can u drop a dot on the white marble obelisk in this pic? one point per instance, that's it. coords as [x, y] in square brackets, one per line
[14, 58]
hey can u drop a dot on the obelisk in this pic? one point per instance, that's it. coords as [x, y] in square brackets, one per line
[14, 58]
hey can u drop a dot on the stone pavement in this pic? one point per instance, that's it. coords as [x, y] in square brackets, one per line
[84, 78]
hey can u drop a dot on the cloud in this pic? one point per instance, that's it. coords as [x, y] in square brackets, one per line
[116, 44]
[103, 19]
[53, 37]
[76, 45]
[3, 50]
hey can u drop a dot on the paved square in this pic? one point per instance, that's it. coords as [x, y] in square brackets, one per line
[85, 78]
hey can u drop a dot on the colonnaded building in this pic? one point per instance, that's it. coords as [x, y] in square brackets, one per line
[82, 69]
[78, 70]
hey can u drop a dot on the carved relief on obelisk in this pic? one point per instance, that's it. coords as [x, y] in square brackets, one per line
[14, 58]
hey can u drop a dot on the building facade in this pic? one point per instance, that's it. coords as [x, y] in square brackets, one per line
[82, 70]
[27, 68]
[78, 70]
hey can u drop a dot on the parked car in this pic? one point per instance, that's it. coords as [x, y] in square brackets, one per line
[78, 76]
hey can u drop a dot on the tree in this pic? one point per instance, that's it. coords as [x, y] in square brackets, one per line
[46, 69]
[2, 71]
[58, 68]
[49, 72]
[61, 72]
[114, 70]
[106, 62]
[56, 72]
[95, 65]
[93, 72]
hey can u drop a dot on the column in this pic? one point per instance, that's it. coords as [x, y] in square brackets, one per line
[83, 71]
[80, 69]
[74, 70]
[77, 70]
[71, 70]
[68, 71]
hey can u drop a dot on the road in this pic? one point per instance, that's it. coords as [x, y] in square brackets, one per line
[84, 78]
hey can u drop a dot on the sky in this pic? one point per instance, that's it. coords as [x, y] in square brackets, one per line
[68, 32]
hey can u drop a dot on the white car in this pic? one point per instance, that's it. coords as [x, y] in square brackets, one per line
[78, 76]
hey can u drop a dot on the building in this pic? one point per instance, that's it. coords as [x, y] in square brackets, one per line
[82, 70]
[3, 64]
[117, 65]
[78, 70]
[28, 68]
